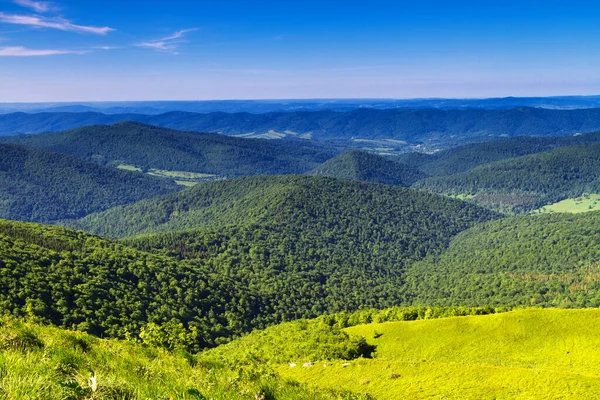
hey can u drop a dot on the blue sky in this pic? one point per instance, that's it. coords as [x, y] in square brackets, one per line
[96, 50]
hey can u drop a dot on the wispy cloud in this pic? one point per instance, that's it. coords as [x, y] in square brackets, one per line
[37, 6]
[25, 52]
[169, 43]
[108, 47]
[51, 23]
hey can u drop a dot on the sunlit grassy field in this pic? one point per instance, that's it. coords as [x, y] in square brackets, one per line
[527, 354]
[581, 204]
[38, 362]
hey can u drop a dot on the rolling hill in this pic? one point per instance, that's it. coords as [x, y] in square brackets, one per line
[79, 281]
[306, 245]
[547, 260]
[466, 157]
[412, 125]
[40, 185]
[150, 147]
[362, 166]
[262, 250]
[525, 183]
[327, 203]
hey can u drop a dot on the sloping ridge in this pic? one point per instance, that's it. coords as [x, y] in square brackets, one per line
[363, 166]
[43, 186]
[148, 146]
[464, 158]
[547, 260]
[526, 183]
[277, 200]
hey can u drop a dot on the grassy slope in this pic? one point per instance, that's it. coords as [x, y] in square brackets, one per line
[367, 167]
[518, 355]
[48, 363]
[585, 203]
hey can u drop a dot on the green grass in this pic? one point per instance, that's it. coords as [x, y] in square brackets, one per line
[523, 354]
[581, 204]
[527, 354]
[464, 197]
[129, 167]
[38, 362]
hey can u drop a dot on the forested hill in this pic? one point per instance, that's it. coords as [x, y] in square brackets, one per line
[272, 249]
[463, 158]
[40, 185]
[367, 167]
[76, 280]
[306, 245]
[547, 260]
[526, 183]
[300, 201]
[409, 125]
[151, 147]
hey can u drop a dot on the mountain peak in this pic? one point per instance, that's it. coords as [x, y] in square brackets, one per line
[363, 166]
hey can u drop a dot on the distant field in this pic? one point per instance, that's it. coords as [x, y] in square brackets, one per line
[581, 204]
[463, 196]
[184, 178]
[527, 354]
[129, 168]
[180, 174]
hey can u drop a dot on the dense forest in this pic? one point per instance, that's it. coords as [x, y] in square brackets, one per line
[413, 125]
[547, 260]
[230, 256]
[307, 245]
[526, 183]
[286, 258]
[76, 280]
[464, 158]
[40, 185]
[366, 167]
[302, 202]
[146, 147]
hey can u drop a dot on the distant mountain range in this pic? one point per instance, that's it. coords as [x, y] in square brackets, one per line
[264, 106]
[427, 126]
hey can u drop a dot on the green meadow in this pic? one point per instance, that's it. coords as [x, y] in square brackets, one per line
[585, 203]
[525, 354]
[41, 362]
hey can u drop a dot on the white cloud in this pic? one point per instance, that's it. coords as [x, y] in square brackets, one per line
[25, 52]
[107, 47]
[52, 23]
[169, 43]
[37, 6]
